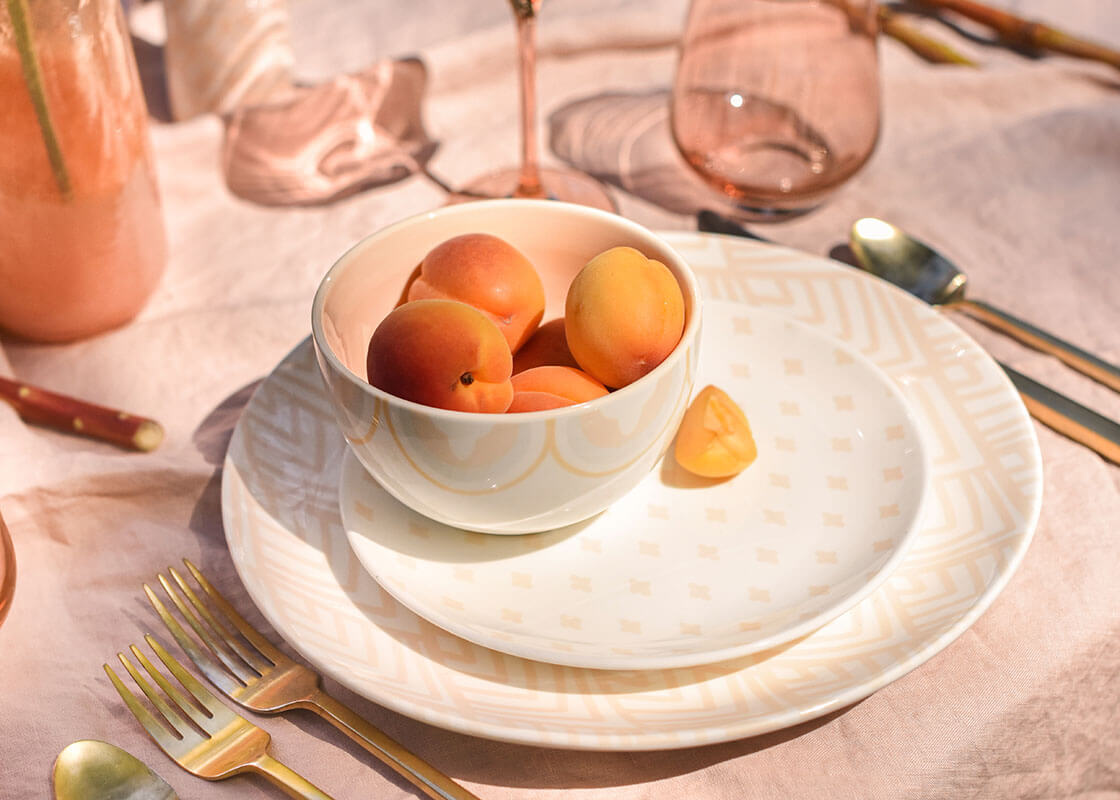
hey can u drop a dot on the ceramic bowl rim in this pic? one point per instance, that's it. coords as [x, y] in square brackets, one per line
[683, 272]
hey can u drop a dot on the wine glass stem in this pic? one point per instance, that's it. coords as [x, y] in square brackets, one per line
[529, 182]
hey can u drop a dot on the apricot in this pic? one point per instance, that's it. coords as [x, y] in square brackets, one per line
[489, 274]
[411, 279]
[441, 353]
[547, 347]
[545, 387]
[714, 439]
[623, 315]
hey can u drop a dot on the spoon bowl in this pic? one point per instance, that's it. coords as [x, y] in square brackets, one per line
[909, 264]
[890, 253]
[883, 250]
[89, 770]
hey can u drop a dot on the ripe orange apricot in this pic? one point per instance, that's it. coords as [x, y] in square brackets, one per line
[552, 387]
[714, 439]
[441, 353]
[412, 276]
[489, 274]
[547, 347]
[623, 315]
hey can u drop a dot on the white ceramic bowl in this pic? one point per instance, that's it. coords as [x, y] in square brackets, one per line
[499, 473]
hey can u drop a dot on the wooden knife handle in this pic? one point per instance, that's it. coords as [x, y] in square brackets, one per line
[37, 406]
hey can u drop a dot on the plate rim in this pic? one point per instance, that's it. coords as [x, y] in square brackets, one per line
[660, 739]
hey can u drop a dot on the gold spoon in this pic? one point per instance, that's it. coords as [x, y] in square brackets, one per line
[893, 255]
[89, 770]
[885, 251]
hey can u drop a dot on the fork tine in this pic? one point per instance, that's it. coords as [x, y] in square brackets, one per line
[248, 631]
[174, 719]
[236, 669]
[229, 637]
[198, 717]
[157, 731]
[190, 683]
[199, 655]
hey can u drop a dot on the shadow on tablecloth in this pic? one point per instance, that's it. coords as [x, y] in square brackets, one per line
[624, 139]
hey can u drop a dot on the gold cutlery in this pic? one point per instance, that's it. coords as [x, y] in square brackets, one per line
[254, 674]
[892, 254]
[888, 252]
[223, 745]
[943, 281]
[89, 769]
[1071, 419]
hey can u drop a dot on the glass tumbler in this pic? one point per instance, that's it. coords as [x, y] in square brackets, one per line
[776, 102]
[81, 239]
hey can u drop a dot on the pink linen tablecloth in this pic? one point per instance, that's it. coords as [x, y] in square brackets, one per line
[1012, 169]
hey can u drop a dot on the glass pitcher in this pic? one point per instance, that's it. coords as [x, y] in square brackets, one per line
[81, 233]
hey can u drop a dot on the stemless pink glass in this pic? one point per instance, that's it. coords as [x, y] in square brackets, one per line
[776, 102]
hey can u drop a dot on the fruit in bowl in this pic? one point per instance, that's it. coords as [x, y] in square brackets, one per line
[498, 472]
[547, 347]
[624, 314]
[541, 388]
[488, 273]
[442, 353]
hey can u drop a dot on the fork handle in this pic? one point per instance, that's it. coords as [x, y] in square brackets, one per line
[421, 774]
[1084, 362]
[288, 779]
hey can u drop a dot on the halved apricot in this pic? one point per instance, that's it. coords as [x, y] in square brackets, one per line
[714, 439]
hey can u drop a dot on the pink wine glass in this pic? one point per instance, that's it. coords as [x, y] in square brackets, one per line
[530, 179]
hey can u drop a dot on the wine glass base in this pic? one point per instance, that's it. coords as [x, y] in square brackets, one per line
[567, 186]
[745, 212]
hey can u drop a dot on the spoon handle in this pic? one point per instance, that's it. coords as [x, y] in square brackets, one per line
[1086, 363]
[1083, 425]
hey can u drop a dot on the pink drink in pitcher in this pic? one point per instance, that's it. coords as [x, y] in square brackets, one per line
[79, 254]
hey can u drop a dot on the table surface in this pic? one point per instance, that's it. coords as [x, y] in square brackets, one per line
[1012, 169]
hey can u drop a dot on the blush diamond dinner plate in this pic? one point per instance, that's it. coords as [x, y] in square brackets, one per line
[686, 570]
[983, 495]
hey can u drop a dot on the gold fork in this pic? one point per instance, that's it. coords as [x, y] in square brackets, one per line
[249, 670]
[226, 743]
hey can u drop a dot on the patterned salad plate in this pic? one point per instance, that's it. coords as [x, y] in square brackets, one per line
[682, 570]
[982, 494]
